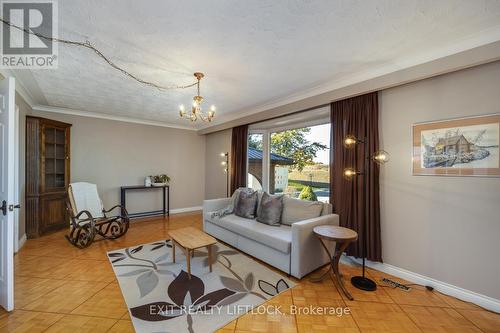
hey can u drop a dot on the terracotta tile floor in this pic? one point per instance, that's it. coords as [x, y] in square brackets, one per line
[59, 288]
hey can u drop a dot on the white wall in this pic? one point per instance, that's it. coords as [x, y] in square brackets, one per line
[112, 153]
[215, 177]
[446, 228]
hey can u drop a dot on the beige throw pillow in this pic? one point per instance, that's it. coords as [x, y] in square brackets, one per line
[295, 210]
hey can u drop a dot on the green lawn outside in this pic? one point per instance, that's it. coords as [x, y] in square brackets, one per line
[298, 186]
[320, 173]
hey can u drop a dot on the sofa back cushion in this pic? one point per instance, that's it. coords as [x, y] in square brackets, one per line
[246, 204]
[269, 209]
[327, 209]
[295, 210]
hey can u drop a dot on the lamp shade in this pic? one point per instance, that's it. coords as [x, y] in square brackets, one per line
[349, 173]
[380, 157]
[350, 141]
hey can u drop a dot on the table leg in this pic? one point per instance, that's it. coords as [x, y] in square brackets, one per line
[188, 262]
[173, 250]
[209, 249]
[334, 266]
[322, 276]
[336, 259]
[168, 200]
[330, 268]
[164, 210]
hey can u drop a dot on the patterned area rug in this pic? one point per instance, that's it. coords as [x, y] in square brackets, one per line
[161, 297]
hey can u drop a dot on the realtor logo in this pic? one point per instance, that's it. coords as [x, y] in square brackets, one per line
[28, 32]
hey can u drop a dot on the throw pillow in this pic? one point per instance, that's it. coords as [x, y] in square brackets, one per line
[295, 210]
[270, 209]
[246, 205]
[236, 194]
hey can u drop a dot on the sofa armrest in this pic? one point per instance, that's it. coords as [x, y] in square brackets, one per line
[214, 205]
[307, 253]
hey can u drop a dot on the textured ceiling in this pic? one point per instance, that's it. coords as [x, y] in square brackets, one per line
[253, 52]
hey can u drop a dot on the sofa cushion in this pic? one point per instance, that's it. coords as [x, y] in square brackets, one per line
[279, 238]
[295, 210]
[236, 194]
[269, 209]
[246, 205]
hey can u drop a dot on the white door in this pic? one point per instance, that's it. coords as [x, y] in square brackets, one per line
[7, 105]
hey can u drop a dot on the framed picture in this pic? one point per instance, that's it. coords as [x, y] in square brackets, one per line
[458, 147]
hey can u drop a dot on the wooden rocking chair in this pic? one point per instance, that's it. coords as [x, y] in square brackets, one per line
[88, 217]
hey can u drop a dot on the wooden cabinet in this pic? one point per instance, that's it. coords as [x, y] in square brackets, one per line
[47, 175]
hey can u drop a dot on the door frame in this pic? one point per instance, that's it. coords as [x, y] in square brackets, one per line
[17, 196]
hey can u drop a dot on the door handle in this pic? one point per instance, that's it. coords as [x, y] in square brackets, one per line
[11, 207]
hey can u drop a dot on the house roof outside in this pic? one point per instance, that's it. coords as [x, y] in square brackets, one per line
[256, 155]
[452, 140]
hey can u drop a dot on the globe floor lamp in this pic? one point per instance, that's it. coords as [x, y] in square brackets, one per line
[380, 157]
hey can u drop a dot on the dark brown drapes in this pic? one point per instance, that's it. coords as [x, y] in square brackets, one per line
[356, 116]
[239, 142]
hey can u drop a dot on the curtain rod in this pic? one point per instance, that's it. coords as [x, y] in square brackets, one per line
[291, 113]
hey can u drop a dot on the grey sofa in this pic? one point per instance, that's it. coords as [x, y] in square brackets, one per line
[292, 249]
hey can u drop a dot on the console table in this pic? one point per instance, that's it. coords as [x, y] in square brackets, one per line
[166, 199]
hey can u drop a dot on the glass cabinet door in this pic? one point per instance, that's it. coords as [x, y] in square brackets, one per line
[54, 158]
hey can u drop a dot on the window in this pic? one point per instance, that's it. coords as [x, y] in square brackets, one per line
[291, 155]
[299, 158]
[255, 161]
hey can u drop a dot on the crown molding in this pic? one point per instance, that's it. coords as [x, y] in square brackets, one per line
[45, 108]
[474, 51]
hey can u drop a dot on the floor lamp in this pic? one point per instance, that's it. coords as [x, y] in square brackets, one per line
[225, 164]
[380, 157]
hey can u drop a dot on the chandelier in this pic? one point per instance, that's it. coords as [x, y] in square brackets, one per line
[196, 110]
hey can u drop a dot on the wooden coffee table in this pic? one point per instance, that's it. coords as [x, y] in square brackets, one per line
[190, 239]
[342, 237]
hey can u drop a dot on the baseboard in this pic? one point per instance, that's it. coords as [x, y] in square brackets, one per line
[185, 210]
[483, 301]
[21, 242]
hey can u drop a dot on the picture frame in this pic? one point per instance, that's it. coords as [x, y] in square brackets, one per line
[457, 147]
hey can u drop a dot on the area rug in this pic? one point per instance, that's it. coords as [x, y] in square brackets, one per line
[161, 297]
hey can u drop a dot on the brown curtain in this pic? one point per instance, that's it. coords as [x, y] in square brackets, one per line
[356, 116]
[239, 142]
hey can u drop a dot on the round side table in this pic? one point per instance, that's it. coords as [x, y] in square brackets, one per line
[343, 237]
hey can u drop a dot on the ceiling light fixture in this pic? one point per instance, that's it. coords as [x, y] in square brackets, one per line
[196, 110]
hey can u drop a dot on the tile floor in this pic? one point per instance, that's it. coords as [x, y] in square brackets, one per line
[59, 288]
